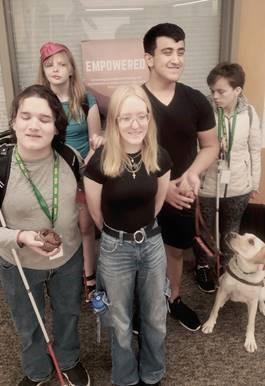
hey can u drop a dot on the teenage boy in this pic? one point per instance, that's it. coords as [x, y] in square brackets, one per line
[183, 117]
[41, 193]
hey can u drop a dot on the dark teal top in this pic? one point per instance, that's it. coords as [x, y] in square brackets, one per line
[77, 132]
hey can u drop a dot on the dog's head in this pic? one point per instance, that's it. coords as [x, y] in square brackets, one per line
[248, 246]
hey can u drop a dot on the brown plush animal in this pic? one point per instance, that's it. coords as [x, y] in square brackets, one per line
[50, 239]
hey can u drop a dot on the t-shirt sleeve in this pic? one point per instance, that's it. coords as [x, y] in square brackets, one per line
[205, 114]
[164, 161]
[93, 170]
[91, 100]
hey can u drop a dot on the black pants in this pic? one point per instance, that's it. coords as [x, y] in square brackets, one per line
[231, 210]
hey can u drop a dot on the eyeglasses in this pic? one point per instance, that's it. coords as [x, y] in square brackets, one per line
[127, 120]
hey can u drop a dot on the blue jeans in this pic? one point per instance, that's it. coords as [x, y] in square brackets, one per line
[64, 287]
[126, 268]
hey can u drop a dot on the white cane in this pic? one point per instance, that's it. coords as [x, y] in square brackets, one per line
[36, 311]
[217, 204]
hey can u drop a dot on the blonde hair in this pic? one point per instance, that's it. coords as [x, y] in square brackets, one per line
[76, 87]
[113, 155]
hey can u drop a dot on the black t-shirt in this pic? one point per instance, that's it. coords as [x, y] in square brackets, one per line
[128, 204]
[178, 124]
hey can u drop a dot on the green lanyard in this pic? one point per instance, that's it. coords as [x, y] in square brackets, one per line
[53, 214]
[222, 131]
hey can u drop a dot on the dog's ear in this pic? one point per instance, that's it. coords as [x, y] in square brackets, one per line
[259, 258]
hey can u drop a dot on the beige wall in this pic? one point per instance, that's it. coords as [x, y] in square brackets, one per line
[248, 49]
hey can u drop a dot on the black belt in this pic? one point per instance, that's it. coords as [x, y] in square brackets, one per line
[138, 236]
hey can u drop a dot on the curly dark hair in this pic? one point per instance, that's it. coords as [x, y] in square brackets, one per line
[168, 30]
[54, 103]
[232, 72]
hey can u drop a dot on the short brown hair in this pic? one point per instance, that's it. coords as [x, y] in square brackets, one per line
[232, 72]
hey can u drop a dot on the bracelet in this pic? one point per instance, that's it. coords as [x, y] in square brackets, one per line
[19, 243]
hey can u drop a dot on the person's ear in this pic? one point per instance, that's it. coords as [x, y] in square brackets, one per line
[149, 59]
[238, 90]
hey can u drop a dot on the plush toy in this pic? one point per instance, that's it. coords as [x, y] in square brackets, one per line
[50, 239]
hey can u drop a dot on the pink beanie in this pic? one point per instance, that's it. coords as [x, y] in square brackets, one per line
[48, 49]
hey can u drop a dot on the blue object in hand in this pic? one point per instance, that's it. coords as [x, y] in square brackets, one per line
[97, 302]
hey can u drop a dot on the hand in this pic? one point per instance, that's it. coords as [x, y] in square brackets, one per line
[28, 238]
[189, 183]
[96, 141]
[253, 194]
[176, 198]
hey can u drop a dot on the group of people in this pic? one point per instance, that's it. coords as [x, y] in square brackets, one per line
[162, 147]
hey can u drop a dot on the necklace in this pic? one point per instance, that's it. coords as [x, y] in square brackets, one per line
[131, 165]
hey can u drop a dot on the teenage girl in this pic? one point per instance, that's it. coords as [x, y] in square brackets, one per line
[59, 72]
[126, 183]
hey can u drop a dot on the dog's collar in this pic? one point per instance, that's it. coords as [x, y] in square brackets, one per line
[231, 273]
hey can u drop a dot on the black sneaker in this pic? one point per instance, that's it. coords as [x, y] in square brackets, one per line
[28, 382]
[141, 383]
[77, 376]
[186, 317]
[205, 278]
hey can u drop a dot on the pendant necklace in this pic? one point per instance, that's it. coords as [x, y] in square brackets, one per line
[133, 166]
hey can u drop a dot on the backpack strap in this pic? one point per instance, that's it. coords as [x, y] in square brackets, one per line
[69, 156]
[5, 164]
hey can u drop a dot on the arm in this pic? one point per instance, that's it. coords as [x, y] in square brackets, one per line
[14, 239]
[94, 127]
[209, 148]
[93, 197]
[93, 121]
[163, 183]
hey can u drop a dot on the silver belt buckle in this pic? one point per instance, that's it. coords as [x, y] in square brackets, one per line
[138, 236]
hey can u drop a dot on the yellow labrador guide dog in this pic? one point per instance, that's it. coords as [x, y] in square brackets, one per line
[243, 282]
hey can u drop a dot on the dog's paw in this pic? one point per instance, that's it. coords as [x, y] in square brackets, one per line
[250, 344]
[208, 326]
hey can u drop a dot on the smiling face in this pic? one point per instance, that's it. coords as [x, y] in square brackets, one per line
[167, 61]
[57, 69]
[132, 123]
[224, 95]
[34, 127]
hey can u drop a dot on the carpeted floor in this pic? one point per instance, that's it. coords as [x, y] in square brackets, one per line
[193, 359]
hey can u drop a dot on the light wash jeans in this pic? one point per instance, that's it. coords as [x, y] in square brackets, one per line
[125, 269]
[64, 286]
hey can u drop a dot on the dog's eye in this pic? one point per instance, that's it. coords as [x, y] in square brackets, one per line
[251, 241]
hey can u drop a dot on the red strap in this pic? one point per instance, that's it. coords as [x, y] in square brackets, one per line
[199, 224]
